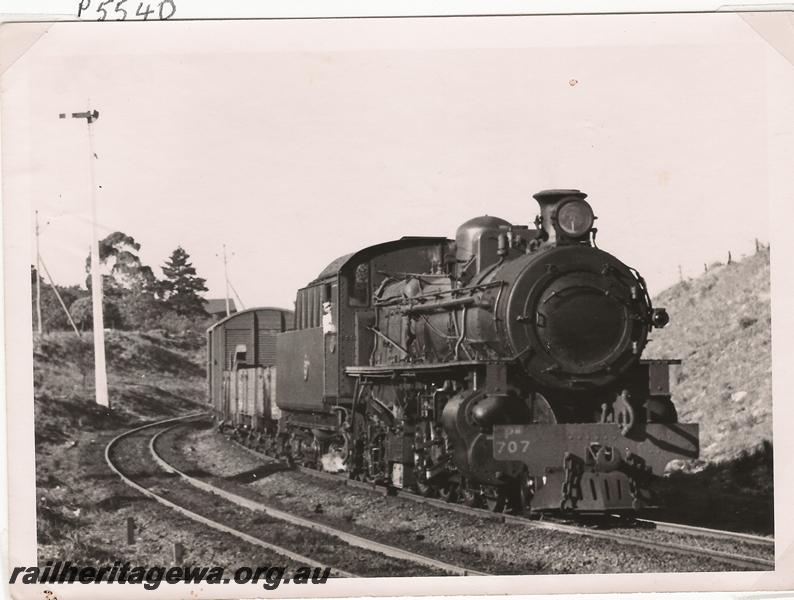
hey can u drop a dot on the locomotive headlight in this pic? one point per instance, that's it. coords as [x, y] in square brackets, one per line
[575, 218]
[659, 318]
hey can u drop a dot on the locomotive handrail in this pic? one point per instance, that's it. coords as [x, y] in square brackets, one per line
[429, 297]
[451, 303]
[369, 370]
[387, 339]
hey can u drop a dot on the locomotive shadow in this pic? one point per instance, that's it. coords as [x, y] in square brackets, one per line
[737, 494]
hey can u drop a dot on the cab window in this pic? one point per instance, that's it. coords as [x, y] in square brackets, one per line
[358, 286]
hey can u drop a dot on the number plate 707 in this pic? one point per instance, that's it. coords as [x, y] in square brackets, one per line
[511, 447]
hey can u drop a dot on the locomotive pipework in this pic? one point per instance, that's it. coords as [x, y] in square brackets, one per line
[572, 315]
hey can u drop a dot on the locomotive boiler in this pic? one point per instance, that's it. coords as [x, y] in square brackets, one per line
[502, 368]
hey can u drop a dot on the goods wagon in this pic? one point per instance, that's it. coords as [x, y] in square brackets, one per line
[241, 374]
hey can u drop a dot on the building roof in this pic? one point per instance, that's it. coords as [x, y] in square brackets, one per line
[216, 306]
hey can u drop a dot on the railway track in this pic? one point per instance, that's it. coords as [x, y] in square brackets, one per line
[639, 537]
[742, 561]
[133, 445]
[708, 532]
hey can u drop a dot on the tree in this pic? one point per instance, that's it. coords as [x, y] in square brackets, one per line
[182, 287]
[127, 283]
[140, 308]
[121, 266]
[52, 316]
[83, 316]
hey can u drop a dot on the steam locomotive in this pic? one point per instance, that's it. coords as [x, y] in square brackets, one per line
[501, 369]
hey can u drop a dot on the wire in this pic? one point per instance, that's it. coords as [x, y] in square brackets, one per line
[236, 295]
[55, 289]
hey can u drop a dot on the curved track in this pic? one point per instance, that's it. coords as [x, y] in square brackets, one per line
[116, 441]
[343, 536]
[741, 560]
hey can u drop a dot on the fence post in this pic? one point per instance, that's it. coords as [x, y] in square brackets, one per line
[179, 553]
[130, 531]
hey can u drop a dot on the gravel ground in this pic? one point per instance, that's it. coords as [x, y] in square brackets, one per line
[755, 550]
[133, 454]
[478, 543]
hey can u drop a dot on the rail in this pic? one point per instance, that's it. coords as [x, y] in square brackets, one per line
[195, 516]
[345, 536]
[738, 560]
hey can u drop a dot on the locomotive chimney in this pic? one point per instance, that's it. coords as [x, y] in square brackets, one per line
[549, 200]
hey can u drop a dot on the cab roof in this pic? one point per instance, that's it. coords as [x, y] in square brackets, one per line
[333, 269]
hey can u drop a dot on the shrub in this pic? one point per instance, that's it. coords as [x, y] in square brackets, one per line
[745, 322]
[82, 313]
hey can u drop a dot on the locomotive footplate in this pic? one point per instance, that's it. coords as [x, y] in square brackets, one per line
[592, 466]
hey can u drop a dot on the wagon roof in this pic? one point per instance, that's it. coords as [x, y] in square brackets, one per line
[408, 241]
[245, 312]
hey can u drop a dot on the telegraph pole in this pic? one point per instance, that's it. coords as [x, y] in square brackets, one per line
[226, 278]
[100, 372]
[38, 277]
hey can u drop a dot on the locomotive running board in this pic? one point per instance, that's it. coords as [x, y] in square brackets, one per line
[542, 446]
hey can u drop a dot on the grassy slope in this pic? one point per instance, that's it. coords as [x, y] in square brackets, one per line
[720, 327]
[150, 377]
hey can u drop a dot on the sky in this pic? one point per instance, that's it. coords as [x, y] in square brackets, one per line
[294, 142]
